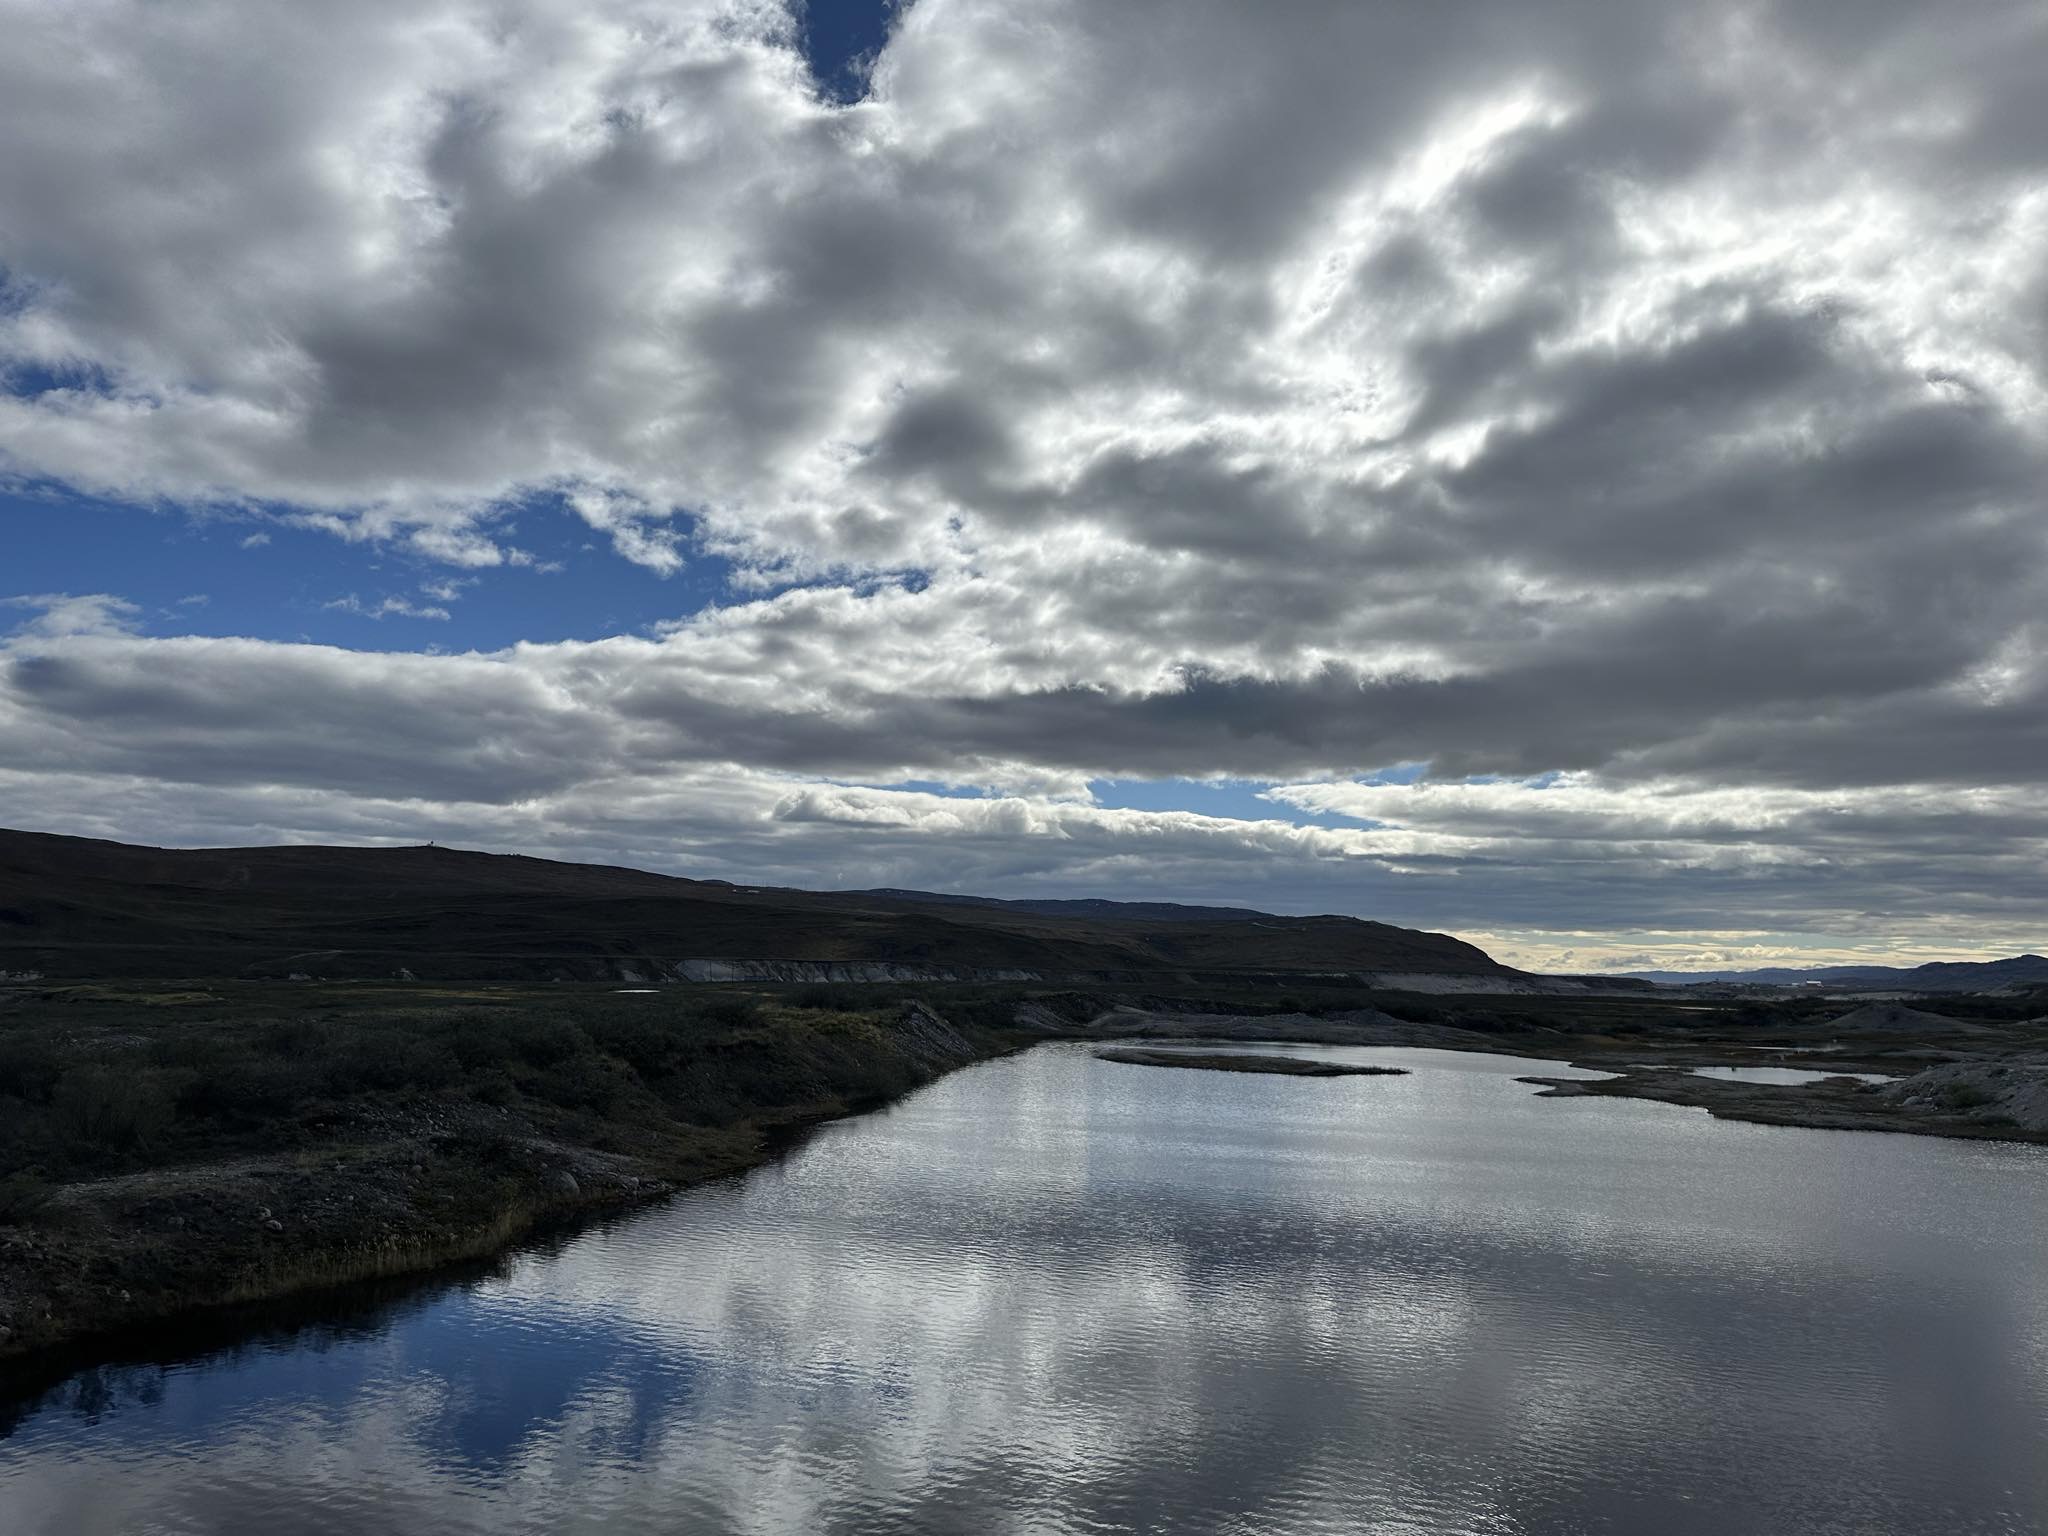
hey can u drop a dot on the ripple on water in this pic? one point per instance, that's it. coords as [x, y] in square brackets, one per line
[1053, 1294]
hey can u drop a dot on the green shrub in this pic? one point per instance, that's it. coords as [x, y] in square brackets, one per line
[23, 1198]
[189, 1051]
[825, 998]
[729, 1012]
[651, 1047]
[582, 1082]
[251, 1089]
[298, 1038]
[980, 1012]
[29, 1070]
[485, 1042]
[390, 1061]
[120, 1110]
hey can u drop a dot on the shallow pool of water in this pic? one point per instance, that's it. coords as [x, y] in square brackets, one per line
[1055, 1294]
[1787, 1076]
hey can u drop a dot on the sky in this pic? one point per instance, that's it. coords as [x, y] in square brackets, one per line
[1568, 474]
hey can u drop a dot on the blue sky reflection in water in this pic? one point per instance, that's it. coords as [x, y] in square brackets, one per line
[1055, 1294]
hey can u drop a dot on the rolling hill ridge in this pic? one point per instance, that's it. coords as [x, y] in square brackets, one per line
[1935, 976]
[83, 907]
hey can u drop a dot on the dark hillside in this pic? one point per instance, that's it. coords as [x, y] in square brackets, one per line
[81, 907]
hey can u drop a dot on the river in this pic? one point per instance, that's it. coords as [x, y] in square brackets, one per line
[1054, 1294]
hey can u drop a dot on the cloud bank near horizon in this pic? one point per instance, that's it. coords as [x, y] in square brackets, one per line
[1637, 415]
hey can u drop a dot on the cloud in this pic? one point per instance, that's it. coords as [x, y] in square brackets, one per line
[60, 616]
[635, 527]
[1653, 395]
[709, 751]
[401, 607]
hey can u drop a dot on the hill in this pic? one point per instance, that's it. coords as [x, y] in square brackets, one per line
[82, 907]
[1936, 976]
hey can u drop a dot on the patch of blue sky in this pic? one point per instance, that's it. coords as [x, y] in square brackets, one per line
[1247, 799]
[841, 38]
[1533, 781]
[265, 578]
[16, 292]
[31, 381]
[22, 379]
[926, 787]
[1231, 799]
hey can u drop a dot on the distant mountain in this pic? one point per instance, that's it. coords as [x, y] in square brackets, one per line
[80, 907]
[1936, 976]
[1115, 911]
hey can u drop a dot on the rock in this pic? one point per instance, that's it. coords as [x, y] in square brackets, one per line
[2014, 1090]
[263, 1213]
[563, 1182]
[931, 1038]
[274, 1224]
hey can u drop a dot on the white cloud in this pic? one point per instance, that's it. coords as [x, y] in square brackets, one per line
[1654, 395]
[401, 607]
[634, 526]
[705, 753]
[60, 615]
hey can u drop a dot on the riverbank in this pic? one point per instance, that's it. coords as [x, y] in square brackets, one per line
[172, 1149]
[1983, 1082]
[171, 1156]
[1973, 1101]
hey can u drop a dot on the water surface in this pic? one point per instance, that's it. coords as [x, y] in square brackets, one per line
[1787, 1076]
[1054, 1294]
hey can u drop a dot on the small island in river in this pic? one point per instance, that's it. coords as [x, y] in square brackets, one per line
[1226, 1061]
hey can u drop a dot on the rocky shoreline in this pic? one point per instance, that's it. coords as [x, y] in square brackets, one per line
[119, 1254]
[1971, 1101]
[387, 1186]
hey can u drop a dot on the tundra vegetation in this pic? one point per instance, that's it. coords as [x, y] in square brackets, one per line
[166, 1146]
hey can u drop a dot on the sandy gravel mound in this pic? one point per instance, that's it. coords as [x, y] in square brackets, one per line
[1897, 1019]
[2014, 1089]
